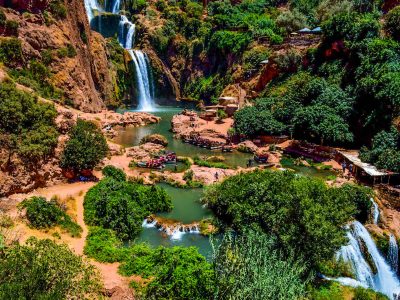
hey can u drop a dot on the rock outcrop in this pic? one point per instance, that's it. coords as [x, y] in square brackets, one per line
[84, 78]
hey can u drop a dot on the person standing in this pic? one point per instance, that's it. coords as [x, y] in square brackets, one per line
[344, 167]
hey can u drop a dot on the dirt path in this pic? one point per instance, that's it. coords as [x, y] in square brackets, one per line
[65, 192]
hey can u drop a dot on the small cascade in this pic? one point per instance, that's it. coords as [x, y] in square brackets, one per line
[393, 255]
[126, 32]
[143, 83]
[174, 231]
[375, 212]
[116, 6]
[91, 6]
[384, 280]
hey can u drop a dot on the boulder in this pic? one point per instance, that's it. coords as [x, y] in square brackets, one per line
[155, 139]
[247, 147]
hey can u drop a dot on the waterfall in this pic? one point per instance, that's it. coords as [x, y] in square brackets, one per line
[142, 75]
[90, 6]
[393, 255]
[126, 40]
[116, 7]
[384, 280]
[174, 231]
[375, 212]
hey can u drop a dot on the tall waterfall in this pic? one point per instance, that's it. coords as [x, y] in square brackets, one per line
[384, 280]
[393, 255]
[126, 35]
[375, 212]
[142, 75]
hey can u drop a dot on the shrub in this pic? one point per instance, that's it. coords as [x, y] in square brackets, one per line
[42, 214]
[253, 57]
[68, 51]
[154, 138]
[291, 21]
[115, 173]
[85, 148]
[122, 206]
[204, 163]
[58, 9]
[41, 269]
[283, 205]
[11, 51]
[12, 27]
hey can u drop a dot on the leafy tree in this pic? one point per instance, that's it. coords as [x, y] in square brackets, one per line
[392, 23]
[115, 173]
[248, 265]
[11, 52]
[175, 273]
[385, 151]
[122, 206]
[286, 207]
[43, 214]
[85, 148]
[41, 269]
[291, 21]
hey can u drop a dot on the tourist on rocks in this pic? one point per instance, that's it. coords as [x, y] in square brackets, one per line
[216, 176]
[344, 167]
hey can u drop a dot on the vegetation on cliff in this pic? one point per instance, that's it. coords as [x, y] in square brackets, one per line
[27, 126]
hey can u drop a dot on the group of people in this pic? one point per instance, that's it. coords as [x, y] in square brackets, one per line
[349, 167]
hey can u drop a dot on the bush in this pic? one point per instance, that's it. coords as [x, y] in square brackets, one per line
[122, 206]
[291, 21]
[174, 273]
[42, 214]
[209, 164]
[253, 57]
[85, 148]
[68, 51]
[247, 264]
[58, 9]
[11, 52]
[115, 173]
[154, 138]
[12, 27]
[285, 206]
[26, 125]
[41, 269]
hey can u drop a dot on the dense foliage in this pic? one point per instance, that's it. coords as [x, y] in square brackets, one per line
[43, 214]
[247, 264]
[41, 269]
[385, 150]
[287, 207]
[85, 148]
[26, 125]
[122, 206]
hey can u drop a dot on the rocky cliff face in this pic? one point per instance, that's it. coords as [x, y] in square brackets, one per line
[84, 78]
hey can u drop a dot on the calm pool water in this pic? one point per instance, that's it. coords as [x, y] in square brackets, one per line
[187, 209]
[131, 137]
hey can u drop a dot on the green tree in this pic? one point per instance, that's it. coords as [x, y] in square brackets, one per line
[41, 269]
[248, 266]
[85, 148]
[175, 273]
[286, 207]
[122, 206]
[392, 23]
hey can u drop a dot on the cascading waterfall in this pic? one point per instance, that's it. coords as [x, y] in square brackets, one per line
[375, 212]
[126, 39]
[143, 84]
[384, 280]
[90, 6]
[126, 33]
[116, 6]
[393, 255]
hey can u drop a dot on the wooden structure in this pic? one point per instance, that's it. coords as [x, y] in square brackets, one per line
[366, 172]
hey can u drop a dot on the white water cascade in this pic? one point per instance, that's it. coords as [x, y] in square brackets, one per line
[375, 212]
[393, 255]
[90, 7]
[384, 280]
[142, 73]
[116, 6]
[126, 32]
[175, 232]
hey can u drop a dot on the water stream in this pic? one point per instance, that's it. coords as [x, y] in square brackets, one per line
[393, 255]
[126, 35]
[375, 212]
[360, 253]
